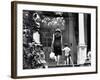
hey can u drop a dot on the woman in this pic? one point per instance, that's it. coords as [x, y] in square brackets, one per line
[57, 44]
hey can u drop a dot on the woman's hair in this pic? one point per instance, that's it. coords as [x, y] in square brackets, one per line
[57, 30]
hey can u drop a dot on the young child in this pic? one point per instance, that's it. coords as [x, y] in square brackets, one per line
[67, 51]
[88, 60]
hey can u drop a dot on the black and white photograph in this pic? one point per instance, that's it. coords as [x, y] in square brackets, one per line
[53, 39]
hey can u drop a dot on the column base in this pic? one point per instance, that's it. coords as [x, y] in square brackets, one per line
[82, 54]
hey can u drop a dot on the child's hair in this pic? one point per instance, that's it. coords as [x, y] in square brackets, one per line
[66, 44]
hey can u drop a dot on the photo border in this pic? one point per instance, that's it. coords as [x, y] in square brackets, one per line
[14, 37]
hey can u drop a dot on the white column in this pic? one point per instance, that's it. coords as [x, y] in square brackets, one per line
[82, 48]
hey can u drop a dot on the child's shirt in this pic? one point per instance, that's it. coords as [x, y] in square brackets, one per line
[66, 50]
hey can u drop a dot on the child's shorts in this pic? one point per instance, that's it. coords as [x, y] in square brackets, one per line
[68, 56]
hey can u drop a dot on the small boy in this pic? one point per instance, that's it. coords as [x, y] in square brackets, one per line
[67, 51]
[88, 60]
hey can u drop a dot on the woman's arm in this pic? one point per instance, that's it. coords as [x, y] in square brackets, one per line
[52, 42]
[61, 41]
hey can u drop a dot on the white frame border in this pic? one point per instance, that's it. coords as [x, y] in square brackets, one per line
[35, 72]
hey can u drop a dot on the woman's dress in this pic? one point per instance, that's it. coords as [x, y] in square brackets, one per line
[57, 44]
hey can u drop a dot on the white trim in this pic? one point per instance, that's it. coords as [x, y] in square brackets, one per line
[21, 72]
